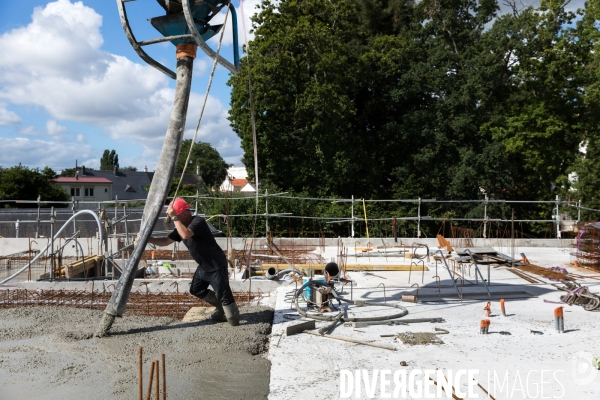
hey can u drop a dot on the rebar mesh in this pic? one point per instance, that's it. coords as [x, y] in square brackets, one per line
[167, 303]
[587, 249]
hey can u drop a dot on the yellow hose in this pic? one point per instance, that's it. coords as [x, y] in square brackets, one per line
[366, 222]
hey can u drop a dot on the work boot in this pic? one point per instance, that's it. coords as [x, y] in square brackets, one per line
[232, 313]
[218, 315]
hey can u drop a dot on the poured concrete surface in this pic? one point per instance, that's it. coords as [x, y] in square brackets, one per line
[49, 353]
[520, 356]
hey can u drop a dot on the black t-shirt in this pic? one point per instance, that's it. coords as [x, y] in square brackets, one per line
[202, 246]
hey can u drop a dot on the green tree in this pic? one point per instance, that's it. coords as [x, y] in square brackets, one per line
[540, 122]
[24, 183]
[109, 160]
[371, 98]
[587, 169]
[213, 169]
[72, 171]
[400, 99]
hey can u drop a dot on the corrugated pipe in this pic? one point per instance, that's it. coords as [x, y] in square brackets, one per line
[273, 275]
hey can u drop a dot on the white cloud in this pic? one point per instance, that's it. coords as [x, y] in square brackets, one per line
[8, 117]
[41, 153]
[54, 129]
[249, 10]
[200, 66]
[56, 63]
[28, 131]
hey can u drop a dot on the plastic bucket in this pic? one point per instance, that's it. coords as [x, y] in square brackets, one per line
[316, 278]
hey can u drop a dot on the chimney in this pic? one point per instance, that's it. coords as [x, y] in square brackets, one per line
[116, 170]
[75, 163]
[82, 170]
[145, 168]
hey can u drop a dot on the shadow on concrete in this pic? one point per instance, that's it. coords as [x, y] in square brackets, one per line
[431, 293]
[246, 318]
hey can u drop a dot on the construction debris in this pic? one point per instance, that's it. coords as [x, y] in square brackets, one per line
[419, 338]
[578, 295]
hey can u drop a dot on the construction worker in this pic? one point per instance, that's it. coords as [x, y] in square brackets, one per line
[212, 264]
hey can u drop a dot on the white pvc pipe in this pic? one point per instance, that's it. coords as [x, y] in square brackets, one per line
[54, 238]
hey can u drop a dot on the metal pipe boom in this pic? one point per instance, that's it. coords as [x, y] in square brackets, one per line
[157, 195]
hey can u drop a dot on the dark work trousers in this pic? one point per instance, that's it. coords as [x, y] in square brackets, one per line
[219, 280]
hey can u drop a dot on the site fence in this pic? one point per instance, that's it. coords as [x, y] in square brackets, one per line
[281, 215]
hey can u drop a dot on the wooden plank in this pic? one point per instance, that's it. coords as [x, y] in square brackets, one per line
[301, 327]
[77, 267]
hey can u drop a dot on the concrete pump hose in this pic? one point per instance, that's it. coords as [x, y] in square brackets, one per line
[403, 311]
[272, 273]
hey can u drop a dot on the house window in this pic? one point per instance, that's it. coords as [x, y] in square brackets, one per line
[89, 192]
[75, 192]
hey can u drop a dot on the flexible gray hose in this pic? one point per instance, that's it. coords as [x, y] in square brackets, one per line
[338, 318]
[273, 275]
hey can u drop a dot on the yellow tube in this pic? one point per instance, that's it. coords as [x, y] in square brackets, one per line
[366, 222]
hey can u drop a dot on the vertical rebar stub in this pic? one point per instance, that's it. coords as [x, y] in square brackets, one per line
[559, 322]
[484, 326]
[502, 307]
[186, 50]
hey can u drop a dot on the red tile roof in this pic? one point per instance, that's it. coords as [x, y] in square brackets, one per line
[239, 182]
[82, 179]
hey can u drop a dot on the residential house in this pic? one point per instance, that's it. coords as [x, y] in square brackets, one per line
[87, 188]
[236, 181]
[116, 184]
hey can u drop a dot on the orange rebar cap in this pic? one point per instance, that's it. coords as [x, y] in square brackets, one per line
[186, 50]
[488, 307]
[558, 311]
[484, 323]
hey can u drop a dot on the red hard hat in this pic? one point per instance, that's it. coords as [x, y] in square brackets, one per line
[179, 205]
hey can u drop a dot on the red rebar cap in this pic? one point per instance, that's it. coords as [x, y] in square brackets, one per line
[558, 311]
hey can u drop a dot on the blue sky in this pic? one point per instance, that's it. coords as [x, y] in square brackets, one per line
[71, 86]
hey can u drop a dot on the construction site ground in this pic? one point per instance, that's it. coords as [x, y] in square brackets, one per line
[49, 352]
[510, 365]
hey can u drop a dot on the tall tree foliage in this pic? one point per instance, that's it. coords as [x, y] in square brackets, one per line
[396, 99]
[24, 183]
[213, 169]
[587, 168]
[109, 160]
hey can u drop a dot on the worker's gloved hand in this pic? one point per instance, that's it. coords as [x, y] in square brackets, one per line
[137, 239]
